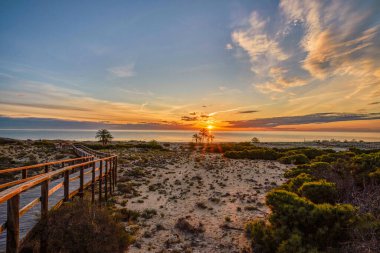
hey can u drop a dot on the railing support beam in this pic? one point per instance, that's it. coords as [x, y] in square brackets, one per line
[100, 181]
[44, 213]
[66, 189]
[13, 224]
[93, 183]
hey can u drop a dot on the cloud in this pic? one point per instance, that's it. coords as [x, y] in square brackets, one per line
[313, 40]
[45, 106]
[229, 46]
[304, 119]
[338, 34]
[280, 81]
[188, 118]
[246, 112]
[260, 46]
[51, 123]
[123, 71]
[374, 103]
[25, 98]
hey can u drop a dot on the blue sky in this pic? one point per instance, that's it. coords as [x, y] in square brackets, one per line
[157, 61]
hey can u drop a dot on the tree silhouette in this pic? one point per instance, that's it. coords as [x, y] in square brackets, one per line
[203, 134]
[104, 136]
[196, 137]
[210, 138]
[255, 140]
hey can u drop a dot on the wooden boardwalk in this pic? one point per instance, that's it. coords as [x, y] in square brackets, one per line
[29, 198]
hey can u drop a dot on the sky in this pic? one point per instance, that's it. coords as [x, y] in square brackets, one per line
[226, 65]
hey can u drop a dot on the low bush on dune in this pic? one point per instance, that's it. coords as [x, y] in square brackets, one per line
[287, 156]
[329, 204]
[185, 226]
[81, 227]
[319, 191]
[299, 225]
[254, 154]
[294, 159]
[126, 145]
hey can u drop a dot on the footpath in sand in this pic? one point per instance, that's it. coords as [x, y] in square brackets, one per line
[192, 202]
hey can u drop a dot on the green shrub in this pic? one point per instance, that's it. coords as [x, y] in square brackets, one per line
[148, 213]
[82, 227]
[128, 215]
[261, 237]
[375, 175]
[294, 159]
[312, 153]
[365, 164]
[254, 154]
[295, 183]
[319, 191]
[320, 225]
[332, 157]
[44, 143]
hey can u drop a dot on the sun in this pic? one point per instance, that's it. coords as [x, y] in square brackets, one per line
[210, 127]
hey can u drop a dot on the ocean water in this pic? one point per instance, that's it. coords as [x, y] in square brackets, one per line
[185, 136]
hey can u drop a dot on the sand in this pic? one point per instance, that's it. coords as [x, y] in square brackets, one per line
[212, 196]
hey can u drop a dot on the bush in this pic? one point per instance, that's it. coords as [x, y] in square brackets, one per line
[148, 213]
[82, 227]
[319, 191]
[254, 154]
[365, 164]
[315, 168]
[295, 183]
[332, 157]
[185, 226]
[128, 215]
[320, 226]
[312, 153]
[294, 159]
[260, 235]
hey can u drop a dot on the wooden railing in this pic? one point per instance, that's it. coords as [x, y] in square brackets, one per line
[81, 150]
[42, 166]
[107, 167]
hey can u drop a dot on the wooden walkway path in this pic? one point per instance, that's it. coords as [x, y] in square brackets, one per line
[19, 209]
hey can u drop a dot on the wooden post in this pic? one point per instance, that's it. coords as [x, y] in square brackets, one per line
[13, 222]
[81, 179]
[24, 174]
[100, 181]
[66, 189]
[44, 198]
[93, 183]
[46, 168]
[110, 175]
[115, 170]
[105, 181]
[114, 173]
[44, 212]
[63, 164]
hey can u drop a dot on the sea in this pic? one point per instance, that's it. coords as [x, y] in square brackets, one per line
[186, 136]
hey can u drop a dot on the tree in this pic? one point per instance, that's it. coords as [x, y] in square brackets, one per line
[210, 137]
[255, 140]
[196, 138]
[203, 134]
[104, 136]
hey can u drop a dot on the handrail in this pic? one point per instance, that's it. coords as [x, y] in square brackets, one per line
[106, 177]
[44, 164]
[90, 151]
[10, 192]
